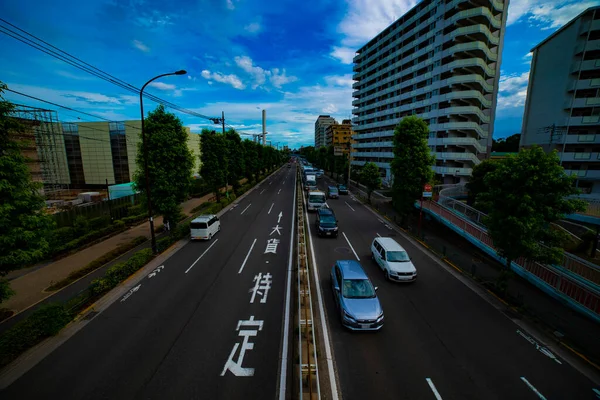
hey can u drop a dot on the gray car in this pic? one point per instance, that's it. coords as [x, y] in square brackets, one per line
[355, 297]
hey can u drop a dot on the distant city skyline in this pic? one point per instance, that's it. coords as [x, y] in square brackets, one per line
[291, 61]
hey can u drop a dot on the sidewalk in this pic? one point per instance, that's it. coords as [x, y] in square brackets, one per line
[558, 320]
[30, 287]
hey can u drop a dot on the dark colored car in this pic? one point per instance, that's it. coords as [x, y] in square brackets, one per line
[332, 192]
[343, 189]
[326, 223]
[355, 297]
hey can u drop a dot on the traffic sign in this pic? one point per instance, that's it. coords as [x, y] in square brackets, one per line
[427, 190]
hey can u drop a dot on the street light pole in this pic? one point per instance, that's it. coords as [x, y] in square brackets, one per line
[145, 146]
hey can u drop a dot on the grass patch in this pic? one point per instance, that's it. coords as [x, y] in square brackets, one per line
[97, 263]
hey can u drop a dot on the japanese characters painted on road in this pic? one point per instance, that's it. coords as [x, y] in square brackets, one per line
[246, 329]
[262, 285]
[276, 228]
[427, 190]
[272, 246]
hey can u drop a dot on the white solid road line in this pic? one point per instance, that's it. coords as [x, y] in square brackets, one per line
[349, 206]
[433, 389]
[261, 192]
[201, 255]
[286, 317]
[328, 353]
[379, 235]
[350, 244]
[270, 208]
[247, 255]
[246, 209]
[541, 396]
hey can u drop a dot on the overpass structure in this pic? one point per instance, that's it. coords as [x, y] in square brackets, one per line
[574, 281]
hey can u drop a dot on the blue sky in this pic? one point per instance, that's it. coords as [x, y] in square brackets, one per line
[291, 59]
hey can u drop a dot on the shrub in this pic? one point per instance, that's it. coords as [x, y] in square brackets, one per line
[97, 263]
[47, 321]
[201, 207]
[99, 223]
[62, 235]
[163, 243]
[121, 271]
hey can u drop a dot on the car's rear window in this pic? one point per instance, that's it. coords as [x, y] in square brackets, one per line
[198, 225]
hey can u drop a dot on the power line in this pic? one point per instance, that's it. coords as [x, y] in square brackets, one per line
[64, 56]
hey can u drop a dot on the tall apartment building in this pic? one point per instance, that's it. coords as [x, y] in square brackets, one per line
[562, 110]
[320, 125]
[339, 135]
[441, 62]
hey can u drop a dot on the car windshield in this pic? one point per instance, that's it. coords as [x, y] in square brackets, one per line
[397, 256]
[343, 187]
[316, 198]
[327, 220]
[358, 289]
[333, 190]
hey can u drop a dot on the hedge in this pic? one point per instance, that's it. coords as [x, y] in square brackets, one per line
[47, 321]
[97, 263]
[119, 272]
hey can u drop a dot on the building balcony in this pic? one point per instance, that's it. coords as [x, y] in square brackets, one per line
[465, 110]
[579, 157]
[469, 47]
[584, 84]
[452, 171]
[373, 154]
[373, 135]
[589, 45]
[584, 174]
[385, 165]
[367, 145]
[588, 120]
[588, 65]
[454, 156]
[458, 141]
[582, 139]
[460, 126]
[475, 12]
[582, 102]
[470, 30]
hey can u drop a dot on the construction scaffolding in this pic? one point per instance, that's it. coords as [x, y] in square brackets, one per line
[44, 148]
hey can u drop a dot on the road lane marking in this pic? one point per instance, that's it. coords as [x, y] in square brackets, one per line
[279, 216]
[349, 206]
[131, 291]
[270, 208]
[247, 255]
[379, 235]
[279, 191]
[542, 349]
[201, 255]
[433, 389]
[541, 396]
[328, 352]
[350, 244]
[243, 211]
[286, 317]
[262, 191]
[597, 392]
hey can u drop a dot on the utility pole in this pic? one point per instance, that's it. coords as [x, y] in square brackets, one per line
[227, 173]
[223, 120]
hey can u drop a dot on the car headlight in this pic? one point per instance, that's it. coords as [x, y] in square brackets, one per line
[321, 228]
[348, 316]
[336, 228]
[380, 317]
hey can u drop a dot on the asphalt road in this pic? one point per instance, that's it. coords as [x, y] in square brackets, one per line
[172, 338]
[438, 334]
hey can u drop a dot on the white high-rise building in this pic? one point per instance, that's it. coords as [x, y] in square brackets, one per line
[562, 111]
[441, 62]
[320, 126]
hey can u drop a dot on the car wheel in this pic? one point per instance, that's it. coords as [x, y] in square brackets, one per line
[387, 275]
[210, 236]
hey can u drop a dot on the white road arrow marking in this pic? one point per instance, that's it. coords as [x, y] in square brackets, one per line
[131, 291]
[280, 215]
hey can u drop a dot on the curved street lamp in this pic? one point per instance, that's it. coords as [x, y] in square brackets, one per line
[145, 145]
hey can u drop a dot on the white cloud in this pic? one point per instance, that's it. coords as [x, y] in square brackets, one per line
[140, 46]
[547, 14]
[231, 79]
[340, 80]
[344, 54]
[78, 77]
[230, 4]
[279, 79]
[330, 109]
[163, 86]
[512, 91]
[276, 77]
[253, 27]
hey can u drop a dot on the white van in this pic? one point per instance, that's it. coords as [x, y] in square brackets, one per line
[316, 200]
[204, 227]
[311, 182]
[393, 260]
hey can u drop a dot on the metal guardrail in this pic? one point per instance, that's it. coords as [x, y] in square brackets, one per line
[586, 296]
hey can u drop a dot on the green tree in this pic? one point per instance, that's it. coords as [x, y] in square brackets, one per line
[523, 195]
[24, 226]
[214, 161]
[250, 160]
[411, 166]
[371, 178]
[236, 159]
[508, 145]
[476, 184]
[170, 164]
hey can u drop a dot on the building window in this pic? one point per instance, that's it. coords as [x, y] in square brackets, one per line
[73, 150]
[118, 145]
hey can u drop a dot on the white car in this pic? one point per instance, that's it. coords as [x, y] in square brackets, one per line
[204, 227]
[393, 260]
